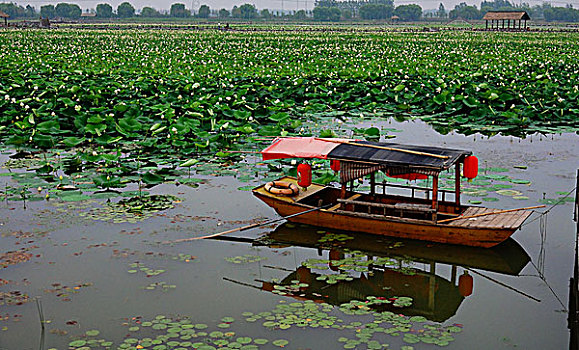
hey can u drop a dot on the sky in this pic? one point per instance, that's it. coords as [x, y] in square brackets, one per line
[261, 4]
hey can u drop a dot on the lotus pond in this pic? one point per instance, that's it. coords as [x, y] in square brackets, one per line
[95, 261]
[116, 142]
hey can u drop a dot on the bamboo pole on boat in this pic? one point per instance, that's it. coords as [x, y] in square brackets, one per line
[241, 283]
[249, 152]
[243, 228]
[503, 285]
[493, 213]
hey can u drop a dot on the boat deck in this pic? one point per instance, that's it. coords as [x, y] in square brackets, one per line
[509, 220]
[313, 188]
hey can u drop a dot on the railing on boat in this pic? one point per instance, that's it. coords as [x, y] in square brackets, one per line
[413, 190]
[400, 208]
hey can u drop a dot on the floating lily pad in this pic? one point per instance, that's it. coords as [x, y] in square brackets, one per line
[509, 193]
[519, 181]
[280, 342]
[77, 343]
[92, 333]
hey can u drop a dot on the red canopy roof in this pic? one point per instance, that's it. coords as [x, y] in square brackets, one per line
[301, 147]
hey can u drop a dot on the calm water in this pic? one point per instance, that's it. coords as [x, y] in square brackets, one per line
[519, 296]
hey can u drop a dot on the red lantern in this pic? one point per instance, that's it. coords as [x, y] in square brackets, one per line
[410, 176]
[465, 284]
[304, 175]
[470, 167]
[335, 165]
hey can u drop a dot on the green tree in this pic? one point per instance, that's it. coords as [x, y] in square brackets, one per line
[179, 11]
[235, 12]
[223, 13]
[376, 11]
[248, 11]
[150, 12]
[441, 11]
[74, 11]
[566, 14]
[265, 14]
[104, 11]
[30, 11]
[327, 14]
[410, 12]
[47, 11]
[495, 5]
[13, 10]
[125, 10]
[300, 14]
[465, 11]
[16, 11]
[64, 10]
[204, 11]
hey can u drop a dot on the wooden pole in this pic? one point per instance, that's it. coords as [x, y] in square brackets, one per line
[250, 152]
[457, 185]
[343, 191]
[372, 183]
[434, 196]
[493, 213]
[248, 226]
[241, 283]
[504, 285]
[574, 281]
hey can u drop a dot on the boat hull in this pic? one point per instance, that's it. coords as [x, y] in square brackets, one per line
[342, 220]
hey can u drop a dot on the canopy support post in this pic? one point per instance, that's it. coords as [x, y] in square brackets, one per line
[373, 184]
[457, 186]
[434, 196]
[343, 191]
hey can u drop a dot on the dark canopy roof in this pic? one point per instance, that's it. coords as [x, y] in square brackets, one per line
[499, 15]
[398, 155]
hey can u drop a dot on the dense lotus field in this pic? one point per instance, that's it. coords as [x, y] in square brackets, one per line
[204, 90]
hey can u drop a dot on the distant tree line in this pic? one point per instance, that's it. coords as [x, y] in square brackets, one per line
[325, 10]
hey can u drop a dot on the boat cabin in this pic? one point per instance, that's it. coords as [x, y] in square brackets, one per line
[357, 159]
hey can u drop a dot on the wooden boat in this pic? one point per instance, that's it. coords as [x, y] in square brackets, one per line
[432, 217]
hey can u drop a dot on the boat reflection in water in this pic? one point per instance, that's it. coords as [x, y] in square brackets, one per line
[386, 268]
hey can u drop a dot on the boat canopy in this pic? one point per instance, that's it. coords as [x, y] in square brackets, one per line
[301, 147]
[360, 158]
